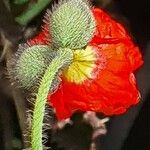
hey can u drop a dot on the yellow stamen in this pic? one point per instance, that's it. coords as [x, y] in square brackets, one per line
[82, 66]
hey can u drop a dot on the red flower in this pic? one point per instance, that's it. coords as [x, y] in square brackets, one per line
[100, 77]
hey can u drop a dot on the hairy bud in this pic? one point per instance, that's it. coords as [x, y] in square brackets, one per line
[30, 64]
[71, 24]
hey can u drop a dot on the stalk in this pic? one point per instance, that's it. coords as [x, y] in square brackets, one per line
[62, 60]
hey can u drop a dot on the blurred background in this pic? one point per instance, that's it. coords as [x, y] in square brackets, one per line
[125, 132]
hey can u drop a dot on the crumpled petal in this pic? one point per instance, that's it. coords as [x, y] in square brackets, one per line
[107, 27]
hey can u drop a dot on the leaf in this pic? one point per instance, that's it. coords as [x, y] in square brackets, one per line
[20, 2]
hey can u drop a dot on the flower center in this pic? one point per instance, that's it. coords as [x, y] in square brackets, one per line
[82, 67]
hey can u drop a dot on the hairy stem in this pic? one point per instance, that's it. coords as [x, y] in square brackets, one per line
[63, 58]
[32, 11]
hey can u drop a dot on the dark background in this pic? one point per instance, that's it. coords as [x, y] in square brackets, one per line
[127, 132]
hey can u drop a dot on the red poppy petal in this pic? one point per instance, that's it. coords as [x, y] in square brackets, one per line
[107, 27]
[103, 95]
[121, 57]
[110, 32]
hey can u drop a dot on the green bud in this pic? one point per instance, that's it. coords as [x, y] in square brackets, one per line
[31, 64]
[71, 24]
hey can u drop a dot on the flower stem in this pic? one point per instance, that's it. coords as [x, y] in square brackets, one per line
[62, 60]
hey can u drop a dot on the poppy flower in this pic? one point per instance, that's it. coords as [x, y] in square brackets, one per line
[100, 78]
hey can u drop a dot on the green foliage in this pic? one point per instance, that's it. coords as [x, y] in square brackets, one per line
[31, 64]
[71, 24]
[20, 2]
[32, 11]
